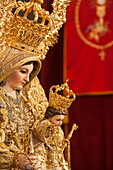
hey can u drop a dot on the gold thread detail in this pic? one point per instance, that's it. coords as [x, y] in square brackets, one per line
[83, 38]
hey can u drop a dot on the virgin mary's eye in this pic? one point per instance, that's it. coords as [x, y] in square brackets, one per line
[23, 71]
[58, 119]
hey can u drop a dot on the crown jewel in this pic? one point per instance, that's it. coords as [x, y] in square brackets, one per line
[60, 97]
[31, 35]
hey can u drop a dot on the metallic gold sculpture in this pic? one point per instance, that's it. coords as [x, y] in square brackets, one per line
[23, 40]
[49, 141]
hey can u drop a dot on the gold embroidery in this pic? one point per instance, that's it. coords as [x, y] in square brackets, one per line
[102, 48]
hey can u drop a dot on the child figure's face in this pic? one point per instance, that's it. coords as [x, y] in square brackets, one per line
[57, 119]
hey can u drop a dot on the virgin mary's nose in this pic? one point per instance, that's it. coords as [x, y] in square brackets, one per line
[27, 77]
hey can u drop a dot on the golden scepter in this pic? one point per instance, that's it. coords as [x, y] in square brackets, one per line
[74, 127]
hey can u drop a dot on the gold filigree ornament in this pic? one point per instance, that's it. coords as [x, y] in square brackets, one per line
[2, 135]
[60, 97]
[34, 35]
[35, 94]
[100, 11]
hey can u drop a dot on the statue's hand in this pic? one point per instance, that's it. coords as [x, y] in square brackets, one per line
[50, 130]
[22, 161]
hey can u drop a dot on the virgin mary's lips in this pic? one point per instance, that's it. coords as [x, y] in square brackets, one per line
[23, 83]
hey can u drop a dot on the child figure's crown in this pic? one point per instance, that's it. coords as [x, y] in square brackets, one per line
[60, 97]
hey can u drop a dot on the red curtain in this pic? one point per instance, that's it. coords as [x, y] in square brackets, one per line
[91, 144]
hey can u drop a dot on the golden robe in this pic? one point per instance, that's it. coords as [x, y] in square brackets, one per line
[13, 126]
[50, 148]
[15, 120]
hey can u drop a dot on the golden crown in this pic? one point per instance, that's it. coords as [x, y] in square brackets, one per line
[60, 97]
[31, 35]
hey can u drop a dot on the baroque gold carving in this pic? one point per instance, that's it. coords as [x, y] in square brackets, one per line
[2, 135]
[37, 98]
[30, 35]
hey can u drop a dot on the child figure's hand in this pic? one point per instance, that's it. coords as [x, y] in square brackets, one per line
[54, 127]
[50, 130]
[66, 141]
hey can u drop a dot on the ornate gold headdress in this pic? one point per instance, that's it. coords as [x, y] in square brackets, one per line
[34, 35]
[60, 97]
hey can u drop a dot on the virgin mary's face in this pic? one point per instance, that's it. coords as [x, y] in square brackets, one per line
[20, 77]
